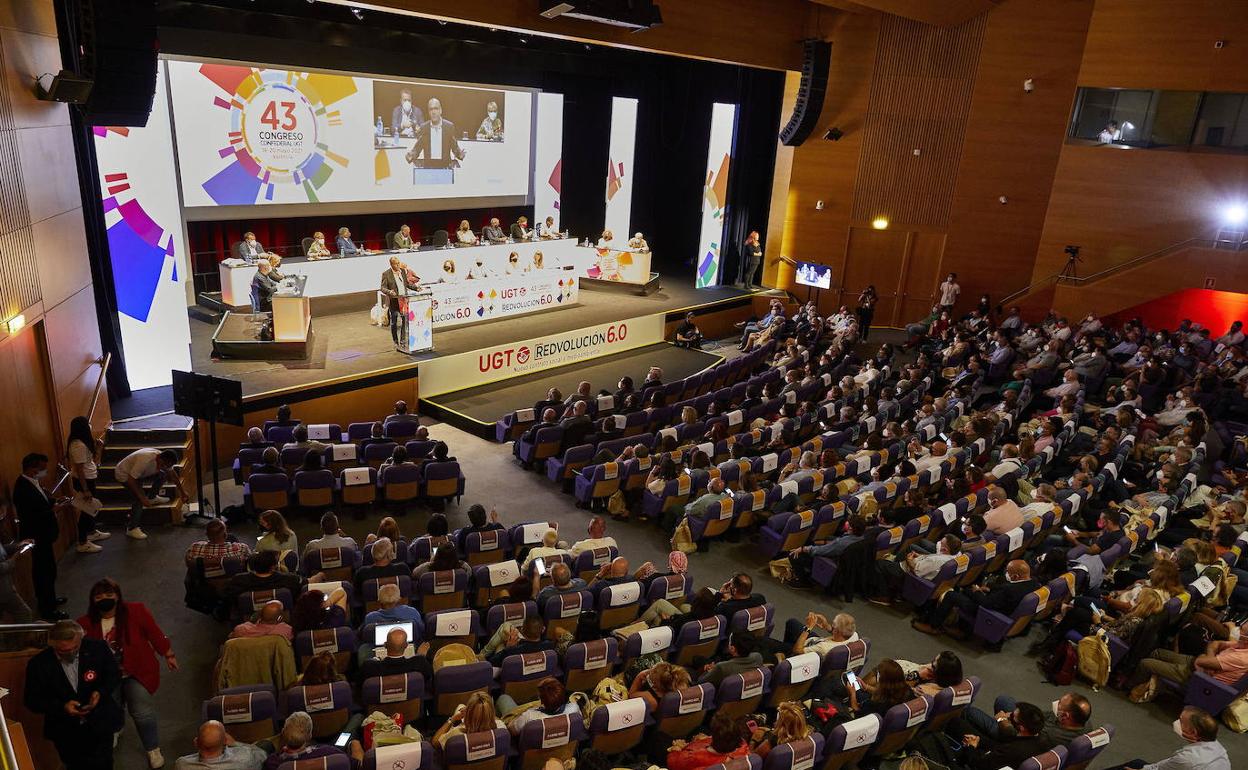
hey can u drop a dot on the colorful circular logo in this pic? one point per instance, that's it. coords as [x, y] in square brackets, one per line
[522, 355]
[279, 127]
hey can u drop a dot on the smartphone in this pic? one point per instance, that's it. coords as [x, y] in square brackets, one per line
[24, 549]
[1069, 531]
[342, 740]
[1095, 609]
[852, 680]
[944, 438]
[539, 566]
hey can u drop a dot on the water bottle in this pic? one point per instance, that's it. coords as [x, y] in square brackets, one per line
[381, 127]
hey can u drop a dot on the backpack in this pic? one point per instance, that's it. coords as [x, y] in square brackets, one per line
[1059, 665]
[608, 690]
[1094, 662]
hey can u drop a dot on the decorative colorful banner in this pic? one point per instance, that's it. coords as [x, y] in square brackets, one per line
[622, 144]
[468, 301]
[548, 159]
[146, 244]
[715, 194]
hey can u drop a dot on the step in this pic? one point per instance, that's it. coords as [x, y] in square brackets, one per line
[144, 431]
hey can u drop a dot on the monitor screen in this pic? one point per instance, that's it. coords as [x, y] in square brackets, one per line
[381, 629]
[813, 274]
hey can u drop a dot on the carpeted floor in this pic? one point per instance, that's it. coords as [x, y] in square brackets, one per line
[151, 571]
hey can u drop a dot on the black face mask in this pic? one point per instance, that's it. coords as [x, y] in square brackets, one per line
[106, 605]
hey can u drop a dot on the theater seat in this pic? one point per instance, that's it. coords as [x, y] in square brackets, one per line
[452, 685]
[618, 605]
[587, 663]
[442, 590]
[740, 694]
[682, 712]
[795, 755]
[850, 741]
[520, 674]
[699, 639]
[486, 750]
[1082, 750]
[899, 726]
[397, 693]
[416, 755]
[792, 678]
[458, 626]
[617, 727]
[329, 705]
[562, 613]
[339, 642]
[554, 737]
[247, 716]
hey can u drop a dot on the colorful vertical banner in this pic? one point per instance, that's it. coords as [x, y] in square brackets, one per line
[622, 145]
[548, 158]
[139, 189]
[715, 195]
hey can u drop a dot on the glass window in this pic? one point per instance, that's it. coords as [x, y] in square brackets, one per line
[1173, 119]
[1112, 115]
[1223, 122]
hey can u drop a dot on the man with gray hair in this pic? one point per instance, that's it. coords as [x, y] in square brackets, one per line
[71, 684]
[384, 564]
[215, 749]
[706, 505]
[296, 743]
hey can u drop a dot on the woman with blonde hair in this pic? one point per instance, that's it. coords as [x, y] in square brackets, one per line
[278, 536]
[464, 236]
[317, 248]
[790, 725]
[475, 716]
[653, 683]
[1162, 578]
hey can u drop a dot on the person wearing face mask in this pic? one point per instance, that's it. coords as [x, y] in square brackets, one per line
[1202, 750]
[478, 271]
[249, 248]
[37, 523]
[917, 563]
[135, 640]
[71, 684]
[491, 129]
[406, 118]
[317, 248]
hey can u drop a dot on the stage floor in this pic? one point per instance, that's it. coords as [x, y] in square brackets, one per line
[347, 345]
[481, 406]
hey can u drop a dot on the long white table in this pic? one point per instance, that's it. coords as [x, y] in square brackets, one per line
[458, 303]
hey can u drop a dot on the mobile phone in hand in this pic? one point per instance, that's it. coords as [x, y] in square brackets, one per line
[852, 680]
[539, 566]
[342, 740]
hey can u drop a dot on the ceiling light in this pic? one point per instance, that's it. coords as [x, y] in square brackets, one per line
[880, 223]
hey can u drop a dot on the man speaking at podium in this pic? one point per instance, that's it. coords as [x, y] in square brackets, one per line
[436, 145]
[398, 275]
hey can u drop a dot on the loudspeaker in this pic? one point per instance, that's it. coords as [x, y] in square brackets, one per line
[809, 94]
[205, 397]
[117, 44]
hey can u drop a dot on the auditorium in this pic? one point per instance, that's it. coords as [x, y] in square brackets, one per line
[623, 384]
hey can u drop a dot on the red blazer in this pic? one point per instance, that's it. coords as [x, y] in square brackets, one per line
[141, 638]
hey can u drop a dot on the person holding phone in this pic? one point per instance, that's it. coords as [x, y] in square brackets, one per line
[548, 551]
[475, 716]
[296, 743]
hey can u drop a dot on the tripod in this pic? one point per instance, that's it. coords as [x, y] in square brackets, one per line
[1071, 270]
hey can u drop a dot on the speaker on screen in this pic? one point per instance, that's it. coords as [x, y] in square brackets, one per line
[809, 94]
[117, 44]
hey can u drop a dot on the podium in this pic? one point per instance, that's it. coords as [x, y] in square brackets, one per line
[416, 320]
[292, 314]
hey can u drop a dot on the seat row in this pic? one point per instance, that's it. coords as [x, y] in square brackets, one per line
[396, 485]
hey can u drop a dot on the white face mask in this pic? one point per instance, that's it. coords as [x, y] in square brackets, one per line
[493, 115]
[1057, 712]
[407, 105]
[41, 475]
[1177, 725]
[320, 241]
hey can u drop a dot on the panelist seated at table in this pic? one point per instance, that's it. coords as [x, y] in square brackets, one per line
[478, 270]
[407, 117]
[403, 239]
[448, 272]
[513, 265]
[317, 248]
[539, 263]
[263, 287]
[464, 236]
[347, 247]
[521, 230]
[638, 243]
[493, 232]
[491, 129]
[249, 248]
[548, 231]
[275, 262]
[436, 145]
[606, 240]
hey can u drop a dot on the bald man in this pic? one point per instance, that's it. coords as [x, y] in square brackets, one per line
[217, 750]
[1003, 599]
[436, 144]
[612, 573]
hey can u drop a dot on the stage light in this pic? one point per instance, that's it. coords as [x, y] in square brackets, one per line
[357, 13]
[1235, 214]
[880, 223]
[16, 324]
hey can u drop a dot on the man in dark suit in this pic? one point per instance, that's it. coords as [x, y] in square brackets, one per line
[1003, 599]
[436, 145]
[398, 275]
[263, 287]
[37, 521]
[71, 684]
[577, 426]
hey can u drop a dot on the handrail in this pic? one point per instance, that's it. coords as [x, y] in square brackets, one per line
[34, 625]
[1075, 279]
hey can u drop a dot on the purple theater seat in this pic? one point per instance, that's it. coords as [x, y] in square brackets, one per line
[402, 693]
[358, 431]
[618, 605]
[741, 694]
[758, 621]
[442, 590]
[362, 493]
[850, 741]
[648, 641]
[458, 626]
[264, 491]
[899, 726]
[564, 468]
[520, 674]
[400, 429]
[563, 612]
[994, 627]
[699, 639]
[486, 750]
[792, 678]
[337, 563]
[452, 685]
[251, 601]
[400, 553]
[617, 727]
[247, 457]
[949, 703]
[1053, 759]
[443, 481]
[785, 531]
[487, 547]
[544, 445]
[376, 454]
[846, 657]
[329, 705]
[554, 737]
[587, 663]
[511, 612]
[373, 586]
[280, 434]
[918, 591]
[674, 588]
[400, 483]
[339, 642]
[329, 762]
[248, 716]
[597, 482]
[1081, 751]
[588, 562]
[716, 521]
[681, 712]
[494, 582]
[314, 489]
[795, 755]
[417, 755]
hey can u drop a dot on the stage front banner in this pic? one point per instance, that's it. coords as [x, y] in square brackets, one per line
[619, 266]
[468, 302]
[499, 362]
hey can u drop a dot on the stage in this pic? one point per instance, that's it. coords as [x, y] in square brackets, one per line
[346, 351]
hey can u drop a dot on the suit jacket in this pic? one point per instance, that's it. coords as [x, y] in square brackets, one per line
[530, 435]
[995, 754]
[48, 690]
[451, 151]
[396, 118]
[346, 246]
[36, 517]
[521, 233]
[243, 253]
[263, 287]
[389, 286]
[575, 429]
[1005, 598]
[492, 233]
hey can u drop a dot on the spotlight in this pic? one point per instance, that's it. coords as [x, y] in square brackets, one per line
[833, 134]
[524, 40]
[880, 223]
[1235, 214]
[357, 13]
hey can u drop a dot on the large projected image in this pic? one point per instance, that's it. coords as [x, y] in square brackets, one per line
[145, 245]
[253, 135]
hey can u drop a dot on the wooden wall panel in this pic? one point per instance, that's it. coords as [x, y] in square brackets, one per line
[1167, 45]
[878, 258]
[920, 98]
[1122, 204]
[923, 272]
[1013, 142]
[761, 33]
